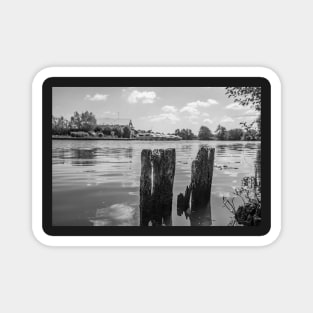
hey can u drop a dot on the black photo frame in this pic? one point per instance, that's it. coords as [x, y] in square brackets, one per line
[52, 230]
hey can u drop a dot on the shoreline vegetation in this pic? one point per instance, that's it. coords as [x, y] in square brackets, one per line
[84, 127]
[56, 137]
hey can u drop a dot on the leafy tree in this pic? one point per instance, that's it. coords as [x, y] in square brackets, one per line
[221, 133]
[126, 132]
[88, 121]
[185, 134]
[117, 131]
[250, 132]
[205, 133]
[246, 96]
[76, 120]
[106, 130]
[60, 126]
[85, 121]
[235, 134]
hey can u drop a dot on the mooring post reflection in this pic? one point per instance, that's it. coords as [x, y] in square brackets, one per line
[158, 171]
[198, 193]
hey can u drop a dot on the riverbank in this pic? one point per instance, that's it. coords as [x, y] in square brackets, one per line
[136, 139]
[114, 138]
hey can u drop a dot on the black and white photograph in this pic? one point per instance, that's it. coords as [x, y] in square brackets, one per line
[156, 156]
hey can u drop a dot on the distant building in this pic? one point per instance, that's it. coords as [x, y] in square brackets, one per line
[132, 129]
[113, 128]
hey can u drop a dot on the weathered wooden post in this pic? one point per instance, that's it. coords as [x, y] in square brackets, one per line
[201, 178]
[163, 162]
[199, 190]
[156, 204]
[145, 187]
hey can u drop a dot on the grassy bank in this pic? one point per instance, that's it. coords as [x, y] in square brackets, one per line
[133, 139]
[110, 138]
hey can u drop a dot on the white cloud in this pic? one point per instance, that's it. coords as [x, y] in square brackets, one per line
[203, 104]
[227, 119]
[212, 101]
[193, 107]
[190, 109]
[96, 97]
[197, 104]
[205, 114]
[235, 106]
[169, 109]
[142, 96]
[207, 120]
[164, 116]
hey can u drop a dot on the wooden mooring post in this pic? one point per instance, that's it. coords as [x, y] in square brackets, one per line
[196, 202]
[156, 186]
[145, 187]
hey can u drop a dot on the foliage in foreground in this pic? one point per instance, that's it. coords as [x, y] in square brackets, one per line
[249, 97]
[249, 213]
[246, 96]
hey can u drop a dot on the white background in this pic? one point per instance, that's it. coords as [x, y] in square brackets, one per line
[37, 34]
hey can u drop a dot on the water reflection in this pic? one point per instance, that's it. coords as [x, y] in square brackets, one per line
[201, 217]
[97, 182]
[119, 214]
[83, 157]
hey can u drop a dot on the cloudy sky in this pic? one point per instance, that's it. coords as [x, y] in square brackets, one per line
[161, 109]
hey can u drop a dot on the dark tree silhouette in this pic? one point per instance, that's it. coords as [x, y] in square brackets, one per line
[205, 133]
[221, 132]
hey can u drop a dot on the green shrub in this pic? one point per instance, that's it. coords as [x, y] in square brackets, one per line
[79, 134]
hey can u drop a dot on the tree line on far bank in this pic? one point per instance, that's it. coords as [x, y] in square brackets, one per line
[221, 133]
[85, 123]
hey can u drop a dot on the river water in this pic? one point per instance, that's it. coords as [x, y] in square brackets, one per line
[96, 182]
